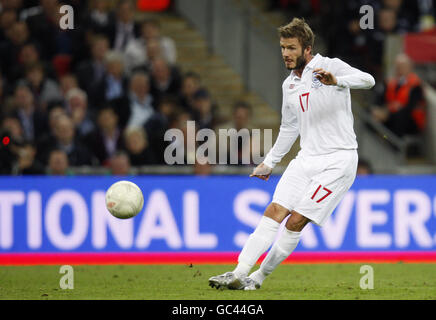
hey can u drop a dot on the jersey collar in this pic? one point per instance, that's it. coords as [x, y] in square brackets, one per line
[311, 64]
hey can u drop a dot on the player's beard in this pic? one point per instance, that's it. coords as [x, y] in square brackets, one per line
[299, 64]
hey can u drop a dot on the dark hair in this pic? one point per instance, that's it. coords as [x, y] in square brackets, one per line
[122, 2]
[241, 104]
[168, 99]
[57, 149]
[22, 85]
[35, 66]
[151, 21]
[192, 74]
[108, 106]
[120, 153]
[201, 93]
[298, 28]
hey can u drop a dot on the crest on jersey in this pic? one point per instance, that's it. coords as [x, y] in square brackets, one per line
[291, 86]
[315, 81]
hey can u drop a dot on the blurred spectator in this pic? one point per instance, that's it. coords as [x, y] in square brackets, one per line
[32, 120]
[7, 18]
[403, 22]
[29, 56]
[165, 79]
[296, 7]
[137, 106]
[202, 167]
[151, 29]
[91, 72]
[137, 147]
[26, 163]
[179, 120]
[120, 164]
[421, 14]
[11, 127]
[138, 61]
[191, 83]
[386, 24]
[77, 105]
[11, 139]
[140, 57]
[64, 138]
[106, 138]
[54, 112]
[159, 123]
[58, 163]
[364, 167]
[401, 102]
[124, 28]
[4, 88]
[242, 114]
[68, 82]
[17, 35]
[355, 52]
[11, 4]
[44, 27]
[151, 44]
[97, 19]
[241, 119]
[205, 111]
[43, 141]
[114, 82]
[45, 90]
[46, 142]
[11, 135]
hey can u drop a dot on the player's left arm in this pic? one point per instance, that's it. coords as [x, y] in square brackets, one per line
[343, 75]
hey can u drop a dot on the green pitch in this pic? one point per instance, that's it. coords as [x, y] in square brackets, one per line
[178, 282]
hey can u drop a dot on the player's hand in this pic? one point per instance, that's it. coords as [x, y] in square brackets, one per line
[262, 171]
[325, 77]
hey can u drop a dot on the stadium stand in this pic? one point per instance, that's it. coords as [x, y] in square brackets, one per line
[146, 63]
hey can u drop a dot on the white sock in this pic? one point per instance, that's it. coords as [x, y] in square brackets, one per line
[258, 242]
[281, 249]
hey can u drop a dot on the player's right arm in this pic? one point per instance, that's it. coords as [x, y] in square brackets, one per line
[288, 133]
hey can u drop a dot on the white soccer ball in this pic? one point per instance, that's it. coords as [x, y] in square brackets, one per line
[124, 199]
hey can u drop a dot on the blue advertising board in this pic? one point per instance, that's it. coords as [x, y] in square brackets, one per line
[206, 214]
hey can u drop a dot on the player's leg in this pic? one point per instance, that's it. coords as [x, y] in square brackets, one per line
[287, 194]
[261, 239]
[281, 249]
[258, 242]
[321, 197]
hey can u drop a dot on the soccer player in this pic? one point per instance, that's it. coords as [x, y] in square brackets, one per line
[316, 106]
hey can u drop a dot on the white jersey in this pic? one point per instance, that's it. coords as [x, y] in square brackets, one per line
[320, 114]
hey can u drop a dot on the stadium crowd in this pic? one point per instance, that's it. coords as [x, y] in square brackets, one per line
[338, 22]
[101, 94]
[105, 92]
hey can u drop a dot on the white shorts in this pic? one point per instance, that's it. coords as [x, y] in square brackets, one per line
[314, 185]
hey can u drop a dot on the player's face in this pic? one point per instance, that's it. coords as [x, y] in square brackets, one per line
[292, 53]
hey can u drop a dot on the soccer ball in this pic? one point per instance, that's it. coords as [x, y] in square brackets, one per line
[124, 199]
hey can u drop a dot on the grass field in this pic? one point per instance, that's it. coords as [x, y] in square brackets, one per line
[178, 282]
